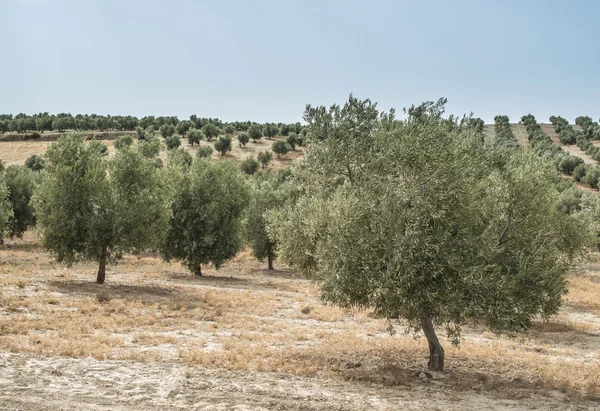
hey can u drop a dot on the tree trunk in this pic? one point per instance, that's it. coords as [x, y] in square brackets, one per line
[270, 260]
[199, 271]
[436, 352]
[101, 268]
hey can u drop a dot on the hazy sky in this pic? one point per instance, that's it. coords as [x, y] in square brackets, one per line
[264, 60]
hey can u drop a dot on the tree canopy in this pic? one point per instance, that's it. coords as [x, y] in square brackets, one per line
[420, 219]
[90, 207]
[205, 226]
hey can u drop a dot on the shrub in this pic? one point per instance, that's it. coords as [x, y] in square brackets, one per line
[255, 132]
[123, 141]
[204, 152]
[35, 163]
[280, 148]
[243, 138]
[569, 163]
[265, 158]
[194, 136]
[172, 141]
[223, 145]
[249, 166]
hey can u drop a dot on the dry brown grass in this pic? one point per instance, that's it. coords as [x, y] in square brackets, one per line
[244, 317]
[16, 152]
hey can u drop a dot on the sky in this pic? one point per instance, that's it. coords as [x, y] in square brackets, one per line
[264, 60]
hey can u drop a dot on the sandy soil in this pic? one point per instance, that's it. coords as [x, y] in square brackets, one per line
[156, 337]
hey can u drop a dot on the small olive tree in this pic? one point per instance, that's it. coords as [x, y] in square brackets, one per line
[21, 182]
[223, 145]
[268, 194]
[255, 132]
[265, 157]
[194, 136]
[89, 207]
[205, 226]
[243, 139]
[35, 162]
[249, 166]
[6, 212]
[210, 131]
[280, 148]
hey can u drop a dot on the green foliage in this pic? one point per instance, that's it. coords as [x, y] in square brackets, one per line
[183, 126]
[179, 158]
[223, 144]
[123, 141]
[2, 166]
[210, 131]
[35, 135]
[504, 135]
[35, 163]
[417, 219]
[268, 194]
[6, 212]
[580, 172]
[173, 141]
[591, 177]
[167, 130]
[139, 131]
[293, 140]
[194, 136]
[243, 139]
[265, 157]
[229, 129]
[255, 132]
[149, 147]
[249, 166]
[280, 148]
[204, 152]
[271, 130]
[21, 183]
[206, 215]
[89, 207]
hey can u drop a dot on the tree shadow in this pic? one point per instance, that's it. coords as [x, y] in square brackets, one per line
[221, 282]
[148, 294]
[21, 246]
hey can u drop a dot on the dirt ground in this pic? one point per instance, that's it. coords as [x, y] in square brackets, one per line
[156, 337]
[16, 152]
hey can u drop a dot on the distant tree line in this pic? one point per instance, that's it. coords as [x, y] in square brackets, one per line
[167, 125]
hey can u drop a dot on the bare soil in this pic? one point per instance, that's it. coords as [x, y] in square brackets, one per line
[157, 337]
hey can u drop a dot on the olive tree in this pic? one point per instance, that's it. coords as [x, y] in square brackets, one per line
[6, 212]
[280, 148]
[223, 145]
[167, 130]
[205, 226]
[255, 132]
[35, 162]
[249, 166]
[417, 219]
[268, 194]
[204, 152]
[173, 141]
[243, 139]
[210, 131]
[20, 182]
[271, 130]
[123, 141]
[92, 208]
[194, 135]
[265, 157]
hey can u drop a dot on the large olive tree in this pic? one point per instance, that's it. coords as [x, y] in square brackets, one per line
[90, 207]
[418, 219]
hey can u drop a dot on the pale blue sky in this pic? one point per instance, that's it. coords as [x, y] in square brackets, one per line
[264, 60]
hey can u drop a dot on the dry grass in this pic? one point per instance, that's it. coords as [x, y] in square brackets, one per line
[16, 152]
[244, 318]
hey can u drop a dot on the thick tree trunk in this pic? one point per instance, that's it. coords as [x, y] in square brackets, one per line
[270, 260]
[199, 271]
[436, 352]
[101, 269]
